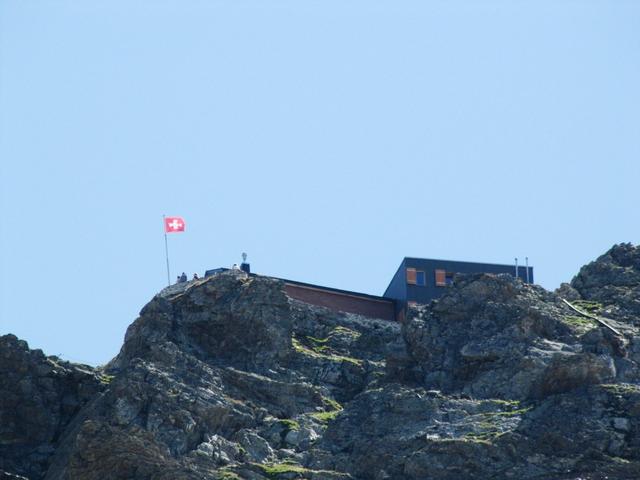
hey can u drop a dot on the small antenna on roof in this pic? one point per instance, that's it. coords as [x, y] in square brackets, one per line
[516, 267]
[244, 257]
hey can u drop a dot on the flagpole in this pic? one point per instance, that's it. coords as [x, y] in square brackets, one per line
[166, 248]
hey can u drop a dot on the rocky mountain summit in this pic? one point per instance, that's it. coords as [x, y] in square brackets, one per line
[229, 378]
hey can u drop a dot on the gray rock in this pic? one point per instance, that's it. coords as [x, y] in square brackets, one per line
[219, 449]
[612, 283]
[257, 448]
[227, 377]
[493, 336]
[567, 292]
[39, 397]
[623, 424]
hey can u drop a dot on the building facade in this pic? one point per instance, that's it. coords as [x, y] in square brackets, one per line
[421, 280]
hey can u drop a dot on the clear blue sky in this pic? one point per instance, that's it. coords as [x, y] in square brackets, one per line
[328, 139]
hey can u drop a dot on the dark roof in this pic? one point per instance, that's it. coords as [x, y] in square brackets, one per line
[464, 261]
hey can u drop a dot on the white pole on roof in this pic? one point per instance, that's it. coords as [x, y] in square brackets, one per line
[526, 261]
[516, 267]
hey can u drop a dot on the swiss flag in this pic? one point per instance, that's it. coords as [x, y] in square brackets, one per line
[173, 224]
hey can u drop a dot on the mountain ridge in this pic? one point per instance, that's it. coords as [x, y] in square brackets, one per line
[227, 377]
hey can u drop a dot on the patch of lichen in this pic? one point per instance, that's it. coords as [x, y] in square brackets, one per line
[344, 331]
[332, 404]
[588, 306]
[486, 437]
[322, 345]
[505, 403]
[620, 388]
[307, 351]
[468, 438]
[225, 474]
[318, 345]
[276, 470]
[489, 426]
[507, 408]
[510, 413]
[326, 417]
[582, 323]
[289, 424]
[106, 379]
[333, 409]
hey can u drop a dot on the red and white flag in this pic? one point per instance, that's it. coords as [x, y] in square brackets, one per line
[173, 224]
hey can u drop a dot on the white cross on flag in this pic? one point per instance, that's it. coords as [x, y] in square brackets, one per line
[173, 224]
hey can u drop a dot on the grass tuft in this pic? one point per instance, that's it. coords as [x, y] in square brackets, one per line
[227, 475]
[340, 330]
[621, 388]
[333, 410]
[326, 417]
[289, 424]
[583, 323]
[273, 470]
[106, 379]
[589, 307]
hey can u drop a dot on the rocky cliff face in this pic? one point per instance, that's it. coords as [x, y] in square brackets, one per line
[227, 378]
[39, 397]
[613, 283]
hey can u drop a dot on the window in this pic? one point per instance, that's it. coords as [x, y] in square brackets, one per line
[448, 278]
[444, 278]
[411, 276]
[416, 277]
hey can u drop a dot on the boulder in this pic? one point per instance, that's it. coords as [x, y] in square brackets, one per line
[612, 283]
